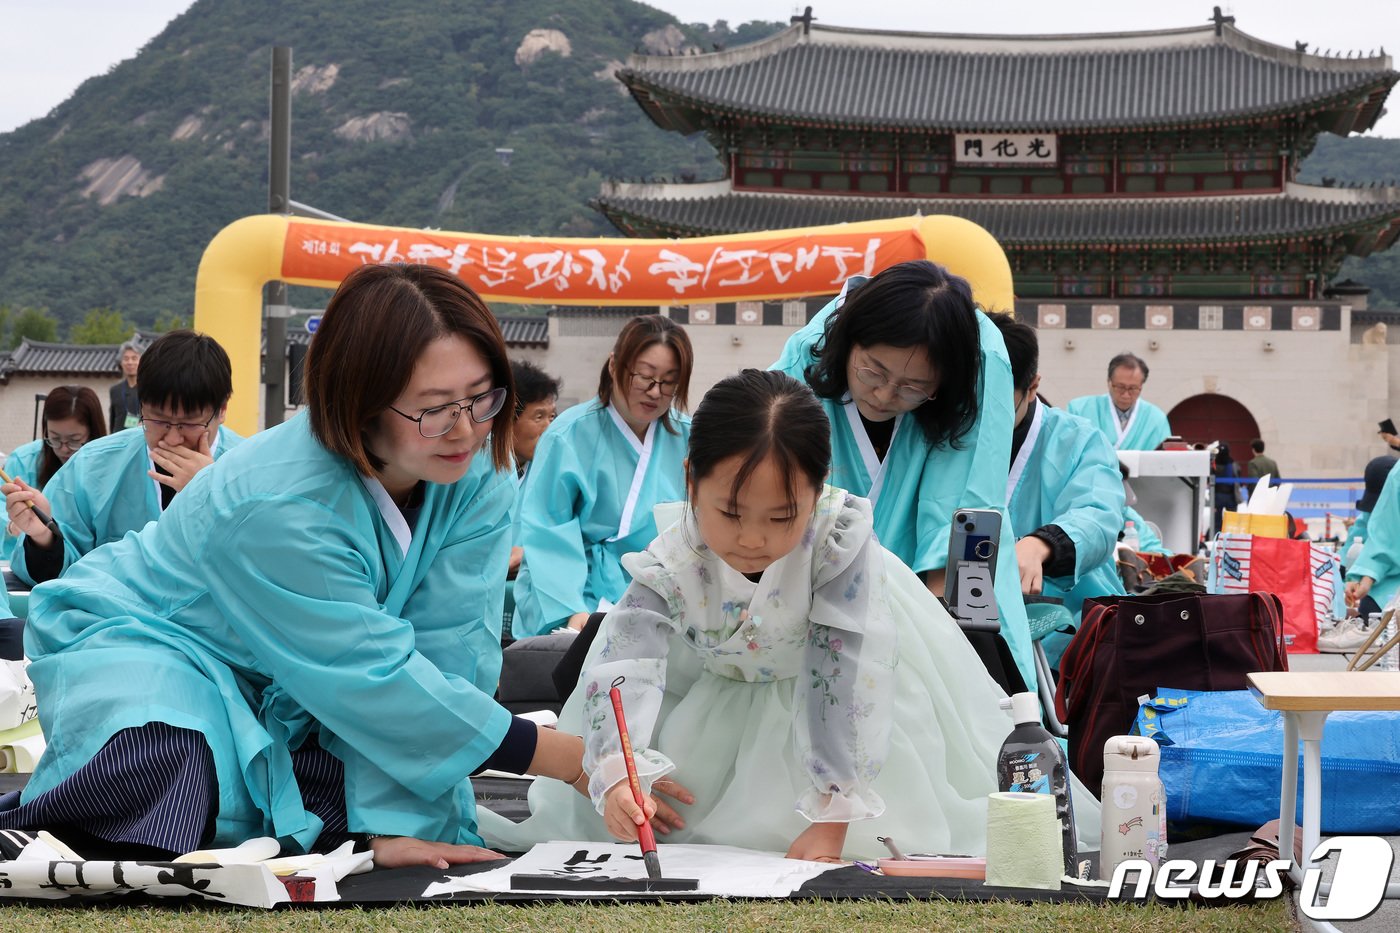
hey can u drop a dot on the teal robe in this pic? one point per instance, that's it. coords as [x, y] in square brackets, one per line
[280, 596]
[918, 487]
[1147, 426]
[102, 492]
[23, 464]
[23, 461]
[1066, 474]
[1380, 554]
[584, 504]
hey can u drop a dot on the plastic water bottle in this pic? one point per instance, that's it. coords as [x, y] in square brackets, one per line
[1354, 551]
[1134, 804]
[1130, 536]
[1390, 661]
[1032, 762]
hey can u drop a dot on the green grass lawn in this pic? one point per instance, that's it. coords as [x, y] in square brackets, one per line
[768, 916]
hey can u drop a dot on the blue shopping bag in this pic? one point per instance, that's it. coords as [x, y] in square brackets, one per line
[1222, 761]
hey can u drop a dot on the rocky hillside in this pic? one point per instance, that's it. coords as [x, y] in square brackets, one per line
[398, 114]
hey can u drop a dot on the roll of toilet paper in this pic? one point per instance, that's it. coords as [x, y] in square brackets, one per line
[1023, 841]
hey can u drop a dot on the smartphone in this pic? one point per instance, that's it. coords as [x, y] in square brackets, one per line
[1388, 427]
[973, 542]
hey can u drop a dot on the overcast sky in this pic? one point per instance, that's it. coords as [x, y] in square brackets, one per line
[49, 47]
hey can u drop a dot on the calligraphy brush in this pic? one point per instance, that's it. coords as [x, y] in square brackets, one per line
[645, 837]
[39, 513]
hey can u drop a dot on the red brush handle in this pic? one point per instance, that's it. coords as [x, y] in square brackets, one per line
[644, 833]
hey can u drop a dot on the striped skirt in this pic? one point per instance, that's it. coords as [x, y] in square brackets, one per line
[151, 793]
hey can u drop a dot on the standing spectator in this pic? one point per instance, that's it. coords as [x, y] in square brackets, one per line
[1226, 493]
[124, 405]
[1261, 465]
[1129, 421]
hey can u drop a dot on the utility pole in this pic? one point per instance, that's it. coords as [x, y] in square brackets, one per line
[279, 201]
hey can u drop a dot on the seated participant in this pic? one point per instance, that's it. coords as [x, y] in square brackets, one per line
[536, 393]
[797, 677]
[72, 416]
[305, 645]
[120, 482]
[1374, 578]
[1064, 492]
[1376, 472]
[917, 389]
[597, 472]
[1127, 420]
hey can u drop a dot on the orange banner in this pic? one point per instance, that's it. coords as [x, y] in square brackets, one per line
[599, 272]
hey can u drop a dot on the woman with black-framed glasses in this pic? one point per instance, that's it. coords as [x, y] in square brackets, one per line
[72, 416]
[917, 386]
[306, 645]
[598, 470]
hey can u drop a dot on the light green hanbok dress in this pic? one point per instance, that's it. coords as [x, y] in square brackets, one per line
[836, 688]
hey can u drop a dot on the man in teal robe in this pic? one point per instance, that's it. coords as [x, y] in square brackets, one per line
[1125, 418]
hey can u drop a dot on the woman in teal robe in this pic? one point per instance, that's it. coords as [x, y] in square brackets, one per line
[938, 402]
[598, 470]
[330, 589]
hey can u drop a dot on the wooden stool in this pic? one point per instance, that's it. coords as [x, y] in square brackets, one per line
[1359, 661]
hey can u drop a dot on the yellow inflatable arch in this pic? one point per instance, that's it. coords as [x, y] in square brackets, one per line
[773, 264]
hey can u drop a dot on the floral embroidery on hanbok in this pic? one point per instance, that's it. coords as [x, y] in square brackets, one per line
[818, 616]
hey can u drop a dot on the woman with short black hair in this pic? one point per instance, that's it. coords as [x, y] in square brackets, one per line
[306, 644]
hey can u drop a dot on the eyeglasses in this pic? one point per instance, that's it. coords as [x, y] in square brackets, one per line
[435, 422]
[643, 384]
[1126, 390]
[58, 442]
[909, 395]
[190, 429]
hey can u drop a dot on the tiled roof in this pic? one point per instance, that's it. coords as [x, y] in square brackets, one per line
[34, 358]
[525, 331]
[1299, 211]
[866, 78]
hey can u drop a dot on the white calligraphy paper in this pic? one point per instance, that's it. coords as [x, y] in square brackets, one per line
[723, 871]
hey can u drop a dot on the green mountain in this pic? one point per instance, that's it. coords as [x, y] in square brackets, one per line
[398, 114]
[1361, 160]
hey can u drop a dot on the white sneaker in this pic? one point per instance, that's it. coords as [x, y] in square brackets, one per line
[1347, 636]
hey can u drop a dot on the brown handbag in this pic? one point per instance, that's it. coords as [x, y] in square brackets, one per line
[1131, 646]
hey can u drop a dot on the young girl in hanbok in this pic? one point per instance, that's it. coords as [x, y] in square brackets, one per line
[783, 675]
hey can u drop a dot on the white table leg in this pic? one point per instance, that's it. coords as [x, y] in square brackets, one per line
[1310, 731]
[1308, 727]
[1288, 795]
